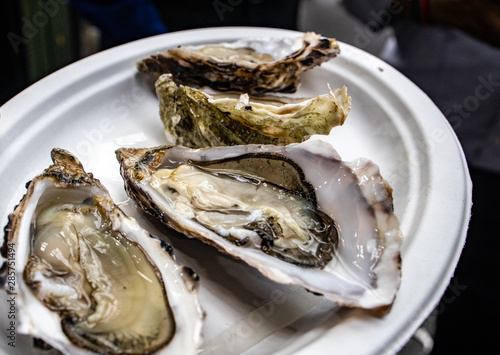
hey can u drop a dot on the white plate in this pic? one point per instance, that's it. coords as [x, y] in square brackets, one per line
[101, 103]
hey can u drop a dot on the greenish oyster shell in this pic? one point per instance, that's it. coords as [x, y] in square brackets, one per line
[253, 65]
[89, 279]
[196, 119]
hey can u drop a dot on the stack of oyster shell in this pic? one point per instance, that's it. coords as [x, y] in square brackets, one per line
[241, 173]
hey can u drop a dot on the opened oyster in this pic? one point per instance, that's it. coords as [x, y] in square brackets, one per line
[89, 279]
[296, 213]
[255, 66]
[196, 119]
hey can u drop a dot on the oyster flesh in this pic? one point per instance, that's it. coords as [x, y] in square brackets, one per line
[297, 213]
[89, 278]
[197, 119]
[255, 65]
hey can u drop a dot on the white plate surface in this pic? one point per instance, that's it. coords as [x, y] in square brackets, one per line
[101, 103]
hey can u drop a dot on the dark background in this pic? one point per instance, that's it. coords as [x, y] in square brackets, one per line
[37, 40]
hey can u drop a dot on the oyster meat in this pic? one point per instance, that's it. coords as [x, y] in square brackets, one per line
[255, 66]
[196, 119]
[89, 278]
[297, 213]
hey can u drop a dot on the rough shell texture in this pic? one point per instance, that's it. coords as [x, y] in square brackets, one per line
[196, 119]
[365, 269]
[255, 66]
[66, 181]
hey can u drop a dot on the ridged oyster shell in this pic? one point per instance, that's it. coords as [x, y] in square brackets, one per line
[89, 278]
[255, 66]
[197, 119]
[365, 267]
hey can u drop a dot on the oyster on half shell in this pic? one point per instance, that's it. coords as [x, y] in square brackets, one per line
[196, 119]
[253, 65]
[89, 278]
[297, 213]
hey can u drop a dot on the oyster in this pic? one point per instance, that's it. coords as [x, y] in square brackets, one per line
[196, 119]
[244, 200]
[89, 278]
[255, 66]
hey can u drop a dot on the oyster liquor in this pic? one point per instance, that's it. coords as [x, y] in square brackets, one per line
[11, 300]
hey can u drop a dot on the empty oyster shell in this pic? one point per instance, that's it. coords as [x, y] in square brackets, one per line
[237, 199]
[89, 278]
[196, 119]
[255, 66]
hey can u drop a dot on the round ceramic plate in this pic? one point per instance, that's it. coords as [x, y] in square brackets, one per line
[98, 104]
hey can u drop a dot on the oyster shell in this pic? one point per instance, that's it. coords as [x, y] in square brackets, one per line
[89, 278]
[255, 66]
[359, 267]
[197, 119]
